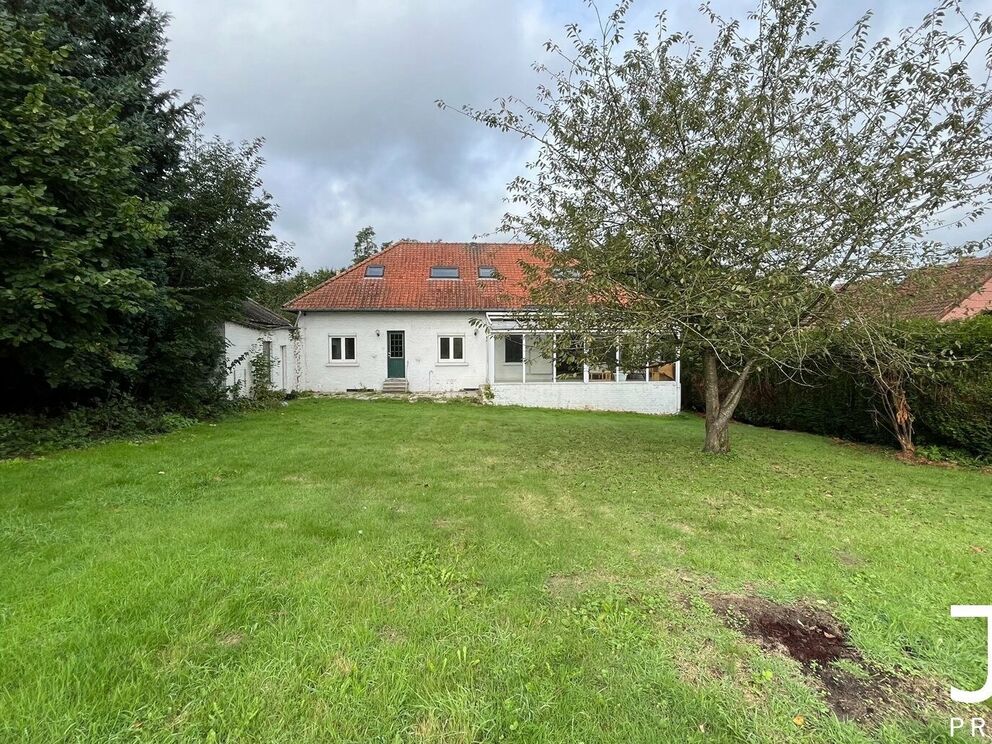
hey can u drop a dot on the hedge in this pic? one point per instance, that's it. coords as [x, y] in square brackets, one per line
[951, 404]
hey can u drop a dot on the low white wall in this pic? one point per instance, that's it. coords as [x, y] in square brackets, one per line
[636, 397]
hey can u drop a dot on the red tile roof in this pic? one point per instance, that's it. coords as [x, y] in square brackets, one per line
[406, 282]
[938, 292]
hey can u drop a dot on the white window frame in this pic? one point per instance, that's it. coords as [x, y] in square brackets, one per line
[452, 362]
[343, 361]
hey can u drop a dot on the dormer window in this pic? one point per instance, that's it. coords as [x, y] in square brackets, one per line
[375, 271]
[487, 272]
[444, 272]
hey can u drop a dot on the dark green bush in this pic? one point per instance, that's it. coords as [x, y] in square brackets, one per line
[951, 404]
[36, 434]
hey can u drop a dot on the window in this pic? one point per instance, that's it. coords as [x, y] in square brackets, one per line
[487, 272]
[513, 349]
[451, 348]
[375, 271]
[267, 358]
[444, 272]
[342, 349]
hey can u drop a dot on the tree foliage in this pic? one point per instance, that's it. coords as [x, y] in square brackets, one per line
[207, 248]
[365, 244]
[118, 53]
[73, 231]
[220, 242]
[274, 292]
[947, 391]
[711, 196]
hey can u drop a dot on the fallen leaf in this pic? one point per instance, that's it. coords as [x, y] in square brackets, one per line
[799, 720]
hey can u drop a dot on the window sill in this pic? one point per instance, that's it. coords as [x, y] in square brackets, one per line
[341, 364]
[451, 364]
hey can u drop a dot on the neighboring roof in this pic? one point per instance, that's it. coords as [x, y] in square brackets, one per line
[938, 291]
[255, 315]
[406, 282]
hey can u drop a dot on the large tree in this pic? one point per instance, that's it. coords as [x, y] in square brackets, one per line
[217, 241]
[220, 242]
[713, 196]
[73, 232]
[118, 52]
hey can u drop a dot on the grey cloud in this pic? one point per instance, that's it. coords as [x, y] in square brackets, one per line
[344, 94]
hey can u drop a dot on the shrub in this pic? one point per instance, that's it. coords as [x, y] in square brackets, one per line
[36, 434]
[950, 402]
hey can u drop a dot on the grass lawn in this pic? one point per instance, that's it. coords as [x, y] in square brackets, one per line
[344, 570]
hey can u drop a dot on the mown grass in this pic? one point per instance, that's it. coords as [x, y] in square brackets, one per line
[385, 571]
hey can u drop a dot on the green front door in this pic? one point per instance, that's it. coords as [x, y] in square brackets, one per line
[395, 354]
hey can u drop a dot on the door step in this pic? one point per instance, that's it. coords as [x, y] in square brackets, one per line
[395, 385]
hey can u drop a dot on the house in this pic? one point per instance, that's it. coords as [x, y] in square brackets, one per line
[440, 317]
[258, 330]
[950, 292]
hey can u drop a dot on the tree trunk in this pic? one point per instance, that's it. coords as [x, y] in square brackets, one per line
[720, 411]
[901, 417]
[717, 439]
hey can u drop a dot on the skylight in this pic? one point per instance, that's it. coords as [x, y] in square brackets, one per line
[487, 272]
[375, 270]
[565, 273]
[444, 272]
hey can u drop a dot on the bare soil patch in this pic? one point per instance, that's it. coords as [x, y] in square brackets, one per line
[855, 689]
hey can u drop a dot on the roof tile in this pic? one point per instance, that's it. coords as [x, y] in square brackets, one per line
[936, 291]
[406, 282]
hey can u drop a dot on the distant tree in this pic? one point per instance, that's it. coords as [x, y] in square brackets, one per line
[365, 244]
[711, 198]
[274, 292]
[73, 232]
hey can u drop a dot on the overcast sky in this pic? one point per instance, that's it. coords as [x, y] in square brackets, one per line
[343, 93]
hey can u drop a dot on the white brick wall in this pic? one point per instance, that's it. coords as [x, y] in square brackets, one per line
[424, 370]
[243, 342]
[427, 373]
[639, 397]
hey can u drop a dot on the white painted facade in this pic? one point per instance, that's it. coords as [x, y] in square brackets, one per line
[425, 370]
[530, 382]
[244, 342]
